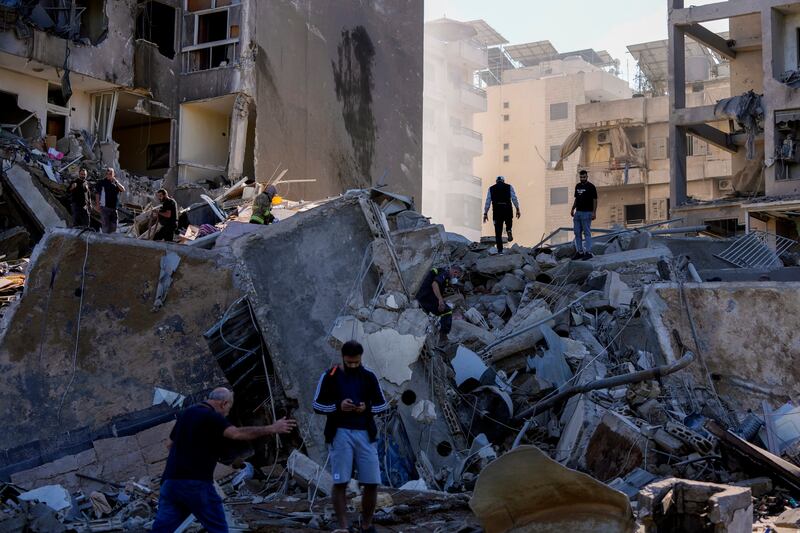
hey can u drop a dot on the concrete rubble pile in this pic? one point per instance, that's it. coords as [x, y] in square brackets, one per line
[620, 393]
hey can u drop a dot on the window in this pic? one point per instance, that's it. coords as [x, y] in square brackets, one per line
[555, 152]
[725, 227]
[210, 34]
[506, 158]
[156, 24]
[94, 23]
[505, 146]
[559, 111]
[506, 118]
[635, 214]
[55, 96]
[505, 105]
[559, 195]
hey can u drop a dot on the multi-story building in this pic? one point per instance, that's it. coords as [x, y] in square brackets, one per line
[623, 143]
[451, 191]
[211, 90]
[763, 52]
[532, 95]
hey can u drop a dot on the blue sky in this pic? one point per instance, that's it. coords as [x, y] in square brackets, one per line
[570, 24]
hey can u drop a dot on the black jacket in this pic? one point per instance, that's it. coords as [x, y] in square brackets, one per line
[331, 393]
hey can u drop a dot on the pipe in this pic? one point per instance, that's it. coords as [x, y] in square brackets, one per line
[608, 383]
[684, 229]
[693, 273]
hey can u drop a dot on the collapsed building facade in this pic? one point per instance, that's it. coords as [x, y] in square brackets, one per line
[651, 387]
[167, 92]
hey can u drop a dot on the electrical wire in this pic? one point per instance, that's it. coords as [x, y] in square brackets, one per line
[77, 333]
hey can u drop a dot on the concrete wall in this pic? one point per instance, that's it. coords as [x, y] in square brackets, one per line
[125, 349]
[204, 136]
[339, 94]
[134, 141]
[110, 60]
[747, 334]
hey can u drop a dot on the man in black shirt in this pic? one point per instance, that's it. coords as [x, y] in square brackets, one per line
[107, 198]
[167, 216]
[500, 196]
[349, 395]
[79, 200]
[431, 298]
[196, 442]
[584, 210]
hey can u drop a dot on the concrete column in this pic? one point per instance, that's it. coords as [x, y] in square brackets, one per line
[677, 100]
[238, 136]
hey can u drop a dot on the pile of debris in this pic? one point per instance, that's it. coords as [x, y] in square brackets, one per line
[626, 382]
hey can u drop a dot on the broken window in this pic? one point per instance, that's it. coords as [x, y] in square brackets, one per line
[210, 34]
[55, 96]
[104, 107]
[17, 120]
[635, 214]
[156, 24]
[93, 21]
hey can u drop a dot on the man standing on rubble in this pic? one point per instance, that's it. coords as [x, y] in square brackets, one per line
[262, 207]
[500, 196]
[79, 200]
[584, 210]
[431, 296]
[196, 442]
[107, 198]
[349, 395]
[167, 216]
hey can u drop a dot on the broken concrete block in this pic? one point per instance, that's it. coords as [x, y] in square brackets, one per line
[508, 498]
[759, 486]
[37, 201]
[638, 240]
[424, 412]
[471, 336]
[527, 337]
[154, 435]
[617, 291]
[391, 354]
[384, 317]
[680, 504]
[546, 261]
[308, 473]
[413, 322]
[498, 264]
[788, 521]
[55, 497]
[615, 448]
[530, 271]
[509, 283]
[14, 242]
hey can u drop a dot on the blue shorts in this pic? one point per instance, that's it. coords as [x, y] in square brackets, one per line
[351, 446]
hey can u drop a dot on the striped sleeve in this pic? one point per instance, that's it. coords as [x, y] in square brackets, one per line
[378, 403]
[323, 403]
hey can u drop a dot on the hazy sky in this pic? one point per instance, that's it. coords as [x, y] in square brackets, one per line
[570, 24]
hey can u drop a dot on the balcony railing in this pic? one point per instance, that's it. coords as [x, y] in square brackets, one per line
[460, 130]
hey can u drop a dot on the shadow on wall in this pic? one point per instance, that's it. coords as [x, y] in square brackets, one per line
[353, 78]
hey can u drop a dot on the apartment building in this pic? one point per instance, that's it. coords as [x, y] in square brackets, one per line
[624, 143]
[209, 91]
[451, 191]
[533, 92]
[763, 52]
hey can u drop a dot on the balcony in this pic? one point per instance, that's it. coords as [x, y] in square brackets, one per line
[468, 140]
[473, 98]
[473, 53]
[606, 175]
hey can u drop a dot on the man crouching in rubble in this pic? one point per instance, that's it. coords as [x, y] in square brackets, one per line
[431, 296]
[349, 395]
[196, 441]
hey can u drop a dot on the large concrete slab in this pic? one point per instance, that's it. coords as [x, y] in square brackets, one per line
[747, 333]
[33, 199]
[124, 349]
[303, 271]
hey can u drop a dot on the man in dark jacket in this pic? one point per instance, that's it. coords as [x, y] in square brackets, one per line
[167, 216]
[500, 197]
[196, 442]
[431, 296]
[349, 395]
[79, 200]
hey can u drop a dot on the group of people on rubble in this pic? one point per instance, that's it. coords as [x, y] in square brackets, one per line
[106, 193]
[501, 196]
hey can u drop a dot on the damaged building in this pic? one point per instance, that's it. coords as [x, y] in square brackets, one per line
[194, 95]
[651, 387]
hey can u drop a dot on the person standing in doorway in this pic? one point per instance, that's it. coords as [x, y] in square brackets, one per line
[584, 210]
[79, 200]
[500, 197]
[107, 198]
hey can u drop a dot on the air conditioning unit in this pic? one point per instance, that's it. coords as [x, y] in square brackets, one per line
[602, 137]
[725, 185]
